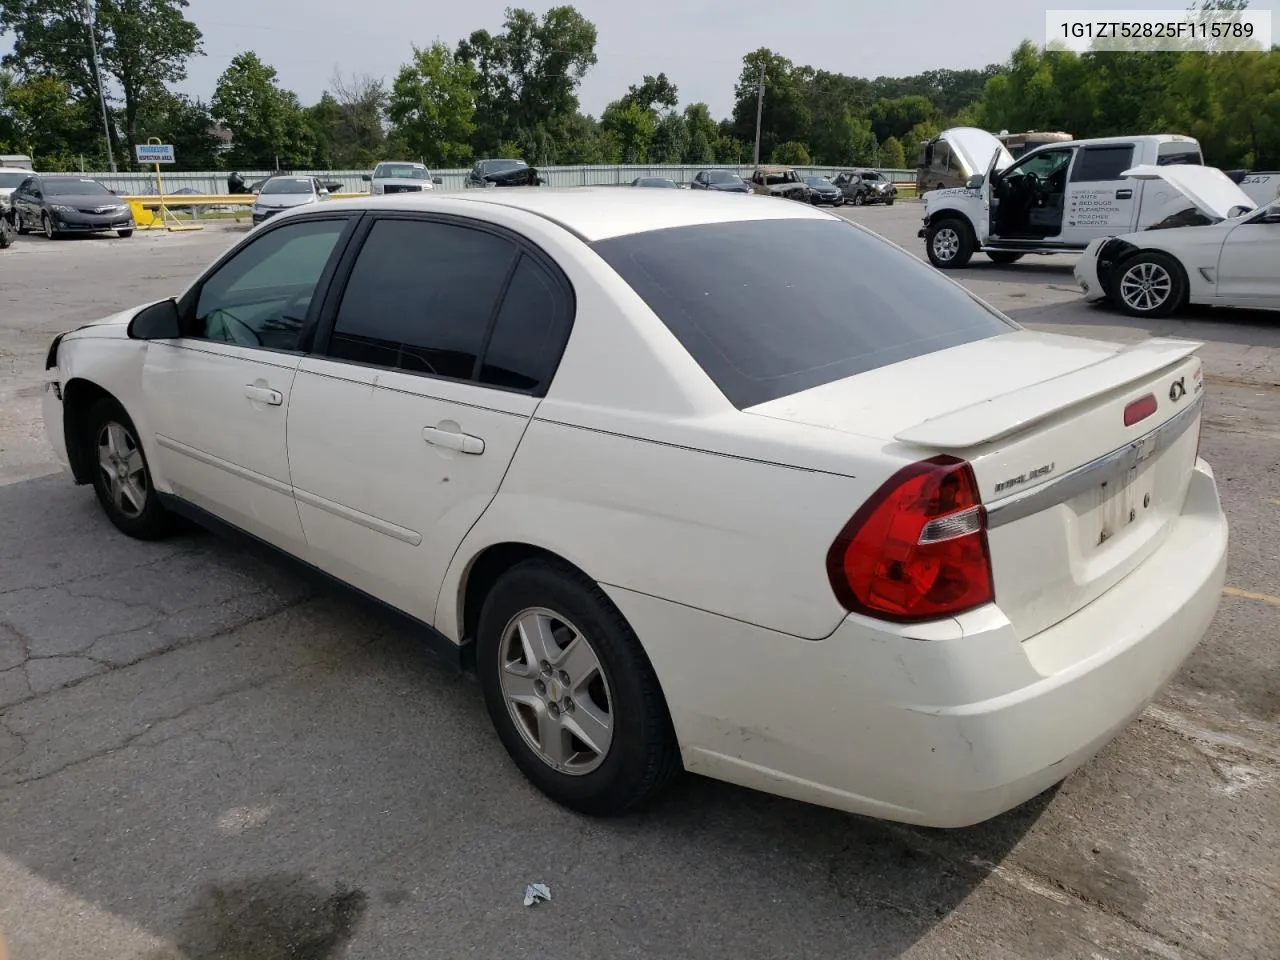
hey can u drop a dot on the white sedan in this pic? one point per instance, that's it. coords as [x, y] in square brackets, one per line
[865, 543]
[1219, 251]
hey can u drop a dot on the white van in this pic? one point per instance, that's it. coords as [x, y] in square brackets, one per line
[1057, 198]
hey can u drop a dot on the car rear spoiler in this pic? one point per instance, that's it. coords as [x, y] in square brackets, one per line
[1019, 410]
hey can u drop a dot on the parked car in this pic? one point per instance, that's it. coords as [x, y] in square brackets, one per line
[1219, 250]
[1262, 186]
[284, 193]
[61, 204]
[400, 177]
[502, 173]
[724, 181]
[779, 181]
[822, 190]
[866, 542]
[661, 182]
[6, 233]
[10, 179]
[332, 186]
[866, 186]
[1057, 198]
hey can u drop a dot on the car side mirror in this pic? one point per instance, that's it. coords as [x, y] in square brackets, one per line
[437, 180]
[975, 182]
[365, 177]
[160, 321]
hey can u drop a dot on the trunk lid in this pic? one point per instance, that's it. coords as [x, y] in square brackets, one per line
[1076, 498]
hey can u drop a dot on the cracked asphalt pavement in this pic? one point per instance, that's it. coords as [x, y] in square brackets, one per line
[203, 757]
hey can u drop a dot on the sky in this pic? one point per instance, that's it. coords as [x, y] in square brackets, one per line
[699, 43]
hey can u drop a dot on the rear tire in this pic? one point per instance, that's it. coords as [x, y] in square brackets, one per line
[1001, 256]
[859, 199]
[121, 474]
[1149, 284]
[949, 243]
[536, 688]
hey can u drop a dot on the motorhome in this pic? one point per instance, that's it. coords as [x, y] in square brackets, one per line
[1055, 198]
[1019, 143]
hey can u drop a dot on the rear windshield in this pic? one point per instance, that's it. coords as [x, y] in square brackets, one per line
[769, 308]
[1176, 154]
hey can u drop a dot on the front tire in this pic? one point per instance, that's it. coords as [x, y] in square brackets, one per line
[949, 243]
[46, 227]
[859, 199]
[121, 474]
[571, 693]
[125, 234]
[1149, 284]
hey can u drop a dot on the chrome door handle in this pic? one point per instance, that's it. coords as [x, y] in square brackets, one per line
[263, 394]
[462, 442]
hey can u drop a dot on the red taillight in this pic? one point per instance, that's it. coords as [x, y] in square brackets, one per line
[1140, 409]
[917, 550]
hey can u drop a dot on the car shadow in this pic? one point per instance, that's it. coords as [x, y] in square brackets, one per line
[302, 805]
[1254, 328]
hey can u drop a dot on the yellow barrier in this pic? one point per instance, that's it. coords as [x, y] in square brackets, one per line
[153, 201]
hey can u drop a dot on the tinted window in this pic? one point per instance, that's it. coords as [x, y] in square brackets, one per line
[1102, 163]
[260, 297]
[740, 298]
[421, 296]
[530, 331]
[1174, 153]
[75, 188]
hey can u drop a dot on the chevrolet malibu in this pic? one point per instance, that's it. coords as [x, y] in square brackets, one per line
[866, 543]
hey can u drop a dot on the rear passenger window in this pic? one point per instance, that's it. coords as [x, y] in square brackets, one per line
[530, 332]
[421, 296]
[1102, 163]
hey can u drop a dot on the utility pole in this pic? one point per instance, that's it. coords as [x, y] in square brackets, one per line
[759, 110]
[97, 75]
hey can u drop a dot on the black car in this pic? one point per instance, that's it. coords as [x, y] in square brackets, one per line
[660, 182]
[866, 186]
[724, 181]
[502, 173]
[59, 204]
[822, 190]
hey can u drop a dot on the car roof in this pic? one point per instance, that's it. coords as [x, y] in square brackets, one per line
[599, 213]
[30, 173]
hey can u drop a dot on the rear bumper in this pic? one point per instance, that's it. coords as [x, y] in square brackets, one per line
[951, 723]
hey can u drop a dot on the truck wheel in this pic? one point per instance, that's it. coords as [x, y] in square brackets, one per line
[1149, 284]
[1002, 256]
[949, 243]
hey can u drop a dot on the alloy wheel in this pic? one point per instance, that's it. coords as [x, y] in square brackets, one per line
[1145, 286]
[556, 691]
[946, 244]
[123, 469]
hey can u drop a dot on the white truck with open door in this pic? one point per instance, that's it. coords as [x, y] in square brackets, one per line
[1057, 198]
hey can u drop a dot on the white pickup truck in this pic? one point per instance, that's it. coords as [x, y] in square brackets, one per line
[1057, 198]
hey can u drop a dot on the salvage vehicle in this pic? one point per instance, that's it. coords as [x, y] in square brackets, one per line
[865, 543]
[1219, 250]
[10, 179]
[866, 186]
[394, 176]
[285, 193]
[779, 181]
[501, 173]
[1057, 198]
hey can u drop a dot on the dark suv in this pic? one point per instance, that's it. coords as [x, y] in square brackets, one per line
[866, 186]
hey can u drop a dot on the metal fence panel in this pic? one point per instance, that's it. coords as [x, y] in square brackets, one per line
[138, 183]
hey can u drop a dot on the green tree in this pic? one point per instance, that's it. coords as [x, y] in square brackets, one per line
[186, 124]
[268, 127]
[40, 116]
[703, 134]
[670, 140]
[432, 105]
[793, 153]
[632, 126]
[654, 93]
[892, 156]
[785, 115]
[143, 46]
[528, 75]
[357, 131]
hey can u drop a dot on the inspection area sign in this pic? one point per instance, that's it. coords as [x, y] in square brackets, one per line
[153, 152]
